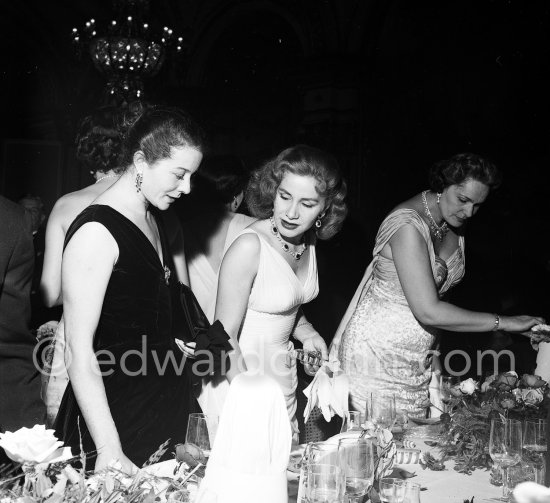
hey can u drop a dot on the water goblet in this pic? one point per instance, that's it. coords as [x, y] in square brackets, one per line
[505, 447]
[356, 459]
[201, 431]
[325, 484]
[381, 410]
[315, 453]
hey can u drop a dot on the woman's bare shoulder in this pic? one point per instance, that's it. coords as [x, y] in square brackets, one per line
[69, 206]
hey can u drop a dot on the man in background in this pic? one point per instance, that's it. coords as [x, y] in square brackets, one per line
[20, 403]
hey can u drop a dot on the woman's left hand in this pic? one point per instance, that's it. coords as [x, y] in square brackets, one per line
[188, 348]
[314, 344]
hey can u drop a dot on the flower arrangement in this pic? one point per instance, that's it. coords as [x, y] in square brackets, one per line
[44, 474]
[466, 428]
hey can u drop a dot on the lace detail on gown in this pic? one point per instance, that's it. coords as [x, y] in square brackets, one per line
[276, 295]
[383, 347]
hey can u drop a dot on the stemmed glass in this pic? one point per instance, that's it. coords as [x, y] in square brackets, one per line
[505, 447]
[201, 431]
[381, 410]
[325, 484]
[446, 383]
[353, 421]
[356, 459]
[534, 446]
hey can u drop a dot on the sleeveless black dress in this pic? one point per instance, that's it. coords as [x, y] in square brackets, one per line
[147, 383]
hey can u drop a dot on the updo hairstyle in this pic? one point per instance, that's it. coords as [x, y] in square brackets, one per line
[99, 141]
[462, 167]
[300, 160]
[155, 130]
[220, 179]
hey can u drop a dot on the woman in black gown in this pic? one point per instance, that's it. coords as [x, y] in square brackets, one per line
[129, 389]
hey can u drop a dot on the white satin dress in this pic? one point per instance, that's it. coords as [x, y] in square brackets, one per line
[274, 300]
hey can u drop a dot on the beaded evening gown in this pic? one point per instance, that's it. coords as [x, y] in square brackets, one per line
[148, 387]
[274, 300]
[380, 344]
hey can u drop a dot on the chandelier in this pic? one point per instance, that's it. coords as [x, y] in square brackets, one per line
[128, 53]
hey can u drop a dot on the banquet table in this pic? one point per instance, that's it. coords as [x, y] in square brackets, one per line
[441, 486]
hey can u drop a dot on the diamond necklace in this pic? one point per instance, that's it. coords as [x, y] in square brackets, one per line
[296, 254]
[106, 176]
[439, 231]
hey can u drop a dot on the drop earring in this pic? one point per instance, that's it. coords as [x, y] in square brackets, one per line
[139, 181]
[438, 197]
[318, 223]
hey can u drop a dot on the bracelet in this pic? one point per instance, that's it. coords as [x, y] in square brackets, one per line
[497, 323]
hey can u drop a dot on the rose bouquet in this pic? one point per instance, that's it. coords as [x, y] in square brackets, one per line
[466, 428]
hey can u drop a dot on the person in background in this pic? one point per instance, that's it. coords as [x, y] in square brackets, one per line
[210, 225]
[386, 336]
[20, 403]
[118, 282]
[270, 270]
[98, 147]
[213, 223]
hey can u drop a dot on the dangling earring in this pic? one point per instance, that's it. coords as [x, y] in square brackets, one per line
[139, 181]
[438, 197]
[318, 223]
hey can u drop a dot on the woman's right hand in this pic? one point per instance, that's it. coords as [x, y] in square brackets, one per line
[108, 457]
[521, 323]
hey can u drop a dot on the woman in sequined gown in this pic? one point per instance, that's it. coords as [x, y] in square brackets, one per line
[385, 337]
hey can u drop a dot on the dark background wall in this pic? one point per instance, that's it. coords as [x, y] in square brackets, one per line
[389, 86]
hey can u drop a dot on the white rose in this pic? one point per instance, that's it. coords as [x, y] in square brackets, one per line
[468, 386]
[31, 445]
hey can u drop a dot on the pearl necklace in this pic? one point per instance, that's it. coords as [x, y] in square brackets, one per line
[106, 176]
[296, 254]
[439, 231]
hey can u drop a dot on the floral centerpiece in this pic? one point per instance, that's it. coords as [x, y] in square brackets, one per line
[45, 472]
[466, 428]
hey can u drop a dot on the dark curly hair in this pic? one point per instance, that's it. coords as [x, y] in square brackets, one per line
[99, 140]
[462, 167]
[155, 130]
[304, 161]
[220, 179]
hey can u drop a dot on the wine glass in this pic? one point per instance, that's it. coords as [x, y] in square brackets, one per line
[201, 431]
[505, 447]
[381, 410]
[325, 484]
[353, 421]
[356, 459]
[534, 446]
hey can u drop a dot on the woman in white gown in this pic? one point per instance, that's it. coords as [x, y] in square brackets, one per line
[270, 270]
